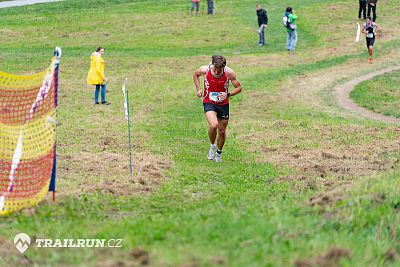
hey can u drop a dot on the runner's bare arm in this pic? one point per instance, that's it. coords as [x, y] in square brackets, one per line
[235, 82]
[197, 73]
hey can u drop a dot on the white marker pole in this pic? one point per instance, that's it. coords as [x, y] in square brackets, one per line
[127, 113]
[358, 32]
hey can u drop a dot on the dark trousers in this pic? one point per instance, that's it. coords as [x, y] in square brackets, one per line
[210, 5]
[103, 93]
[373, 11]
[195, 4]
[261, 34]
[363, 9]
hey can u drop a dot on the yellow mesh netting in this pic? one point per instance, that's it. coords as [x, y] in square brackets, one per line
[27, 137]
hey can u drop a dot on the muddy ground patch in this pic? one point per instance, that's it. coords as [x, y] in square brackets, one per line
[110, 173]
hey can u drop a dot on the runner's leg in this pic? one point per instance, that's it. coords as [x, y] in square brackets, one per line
[370, 53]
[222, 124]
[212, 120]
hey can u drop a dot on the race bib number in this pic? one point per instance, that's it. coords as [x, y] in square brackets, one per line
[214, 96]
[370, 35]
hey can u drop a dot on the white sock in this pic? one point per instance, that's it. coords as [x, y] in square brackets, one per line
[213, 146]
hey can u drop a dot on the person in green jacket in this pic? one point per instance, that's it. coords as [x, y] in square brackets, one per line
[291, 26]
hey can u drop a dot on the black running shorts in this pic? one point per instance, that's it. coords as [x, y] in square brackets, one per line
[370, 42]
[222, 111]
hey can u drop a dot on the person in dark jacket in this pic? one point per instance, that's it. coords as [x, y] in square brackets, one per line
[362, 9]
[262, 23]
[372, 5]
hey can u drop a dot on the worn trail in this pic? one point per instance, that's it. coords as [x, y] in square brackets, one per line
[343, 96]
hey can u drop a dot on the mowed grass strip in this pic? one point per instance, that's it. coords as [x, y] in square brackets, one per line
[381, 94]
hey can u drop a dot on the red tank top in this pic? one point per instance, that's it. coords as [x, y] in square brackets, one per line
[213, 86]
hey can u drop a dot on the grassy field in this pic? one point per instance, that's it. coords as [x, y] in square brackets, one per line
[302, 182]
[381, 95]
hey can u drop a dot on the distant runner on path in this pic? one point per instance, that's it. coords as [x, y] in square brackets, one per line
[216, 100]
[370, 30]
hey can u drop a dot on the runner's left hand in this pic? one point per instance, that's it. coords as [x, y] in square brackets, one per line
[223, 96]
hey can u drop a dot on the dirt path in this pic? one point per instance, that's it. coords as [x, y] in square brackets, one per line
[343, 96]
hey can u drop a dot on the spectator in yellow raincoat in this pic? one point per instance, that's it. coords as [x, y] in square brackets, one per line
[96, 75]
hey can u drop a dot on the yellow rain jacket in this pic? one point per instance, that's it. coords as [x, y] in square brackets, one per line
[96, 71]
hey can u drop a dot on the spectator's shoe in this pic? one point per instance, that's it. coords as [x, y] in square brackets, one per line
[211, 152]
[96, 103]
[105, 103]
[218, 157]
[260, 44]
[370, 61]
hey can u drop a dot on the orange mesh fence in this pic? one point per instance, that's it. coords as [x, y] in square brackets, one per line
[27, 137]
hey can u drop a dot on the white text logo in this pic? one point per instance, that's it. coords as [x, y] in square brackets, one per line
[22, 241]
[78, 243]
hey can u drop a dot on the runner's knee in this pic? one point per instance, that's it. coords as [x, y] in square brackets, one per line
[221, 131]
[213, 125]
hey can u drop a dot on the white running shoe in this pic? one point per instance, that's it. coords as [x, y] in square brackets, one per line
[218, 157]
[211, 152]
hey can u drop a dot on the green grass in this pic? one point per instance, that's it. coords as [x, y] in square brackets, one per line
[241, 211]
[381, 94]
